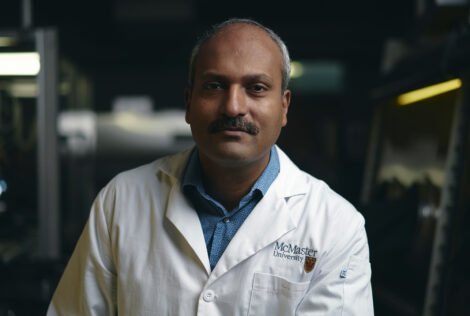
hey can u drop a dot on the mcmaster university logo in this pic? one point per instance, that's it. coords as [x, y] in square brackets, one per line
[309, 263]
[294, 252]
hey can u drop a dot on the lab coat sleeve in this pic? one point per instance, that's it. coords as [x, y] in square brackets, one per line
[342, 286]
[88, 285]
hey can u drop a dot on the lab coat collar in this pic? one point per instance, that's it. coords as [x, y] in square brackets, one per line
[291, 180]
[271, 212]
[174, 167]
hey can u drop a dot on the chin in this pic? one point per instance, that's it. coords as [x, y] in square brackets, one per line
[230, 156]
[234, 157]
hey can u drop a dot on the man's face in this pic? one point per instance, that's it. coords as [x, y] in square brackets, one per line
[236, 108]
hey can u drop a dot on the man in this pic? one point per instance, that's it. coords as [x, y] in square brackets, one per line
[231, 227]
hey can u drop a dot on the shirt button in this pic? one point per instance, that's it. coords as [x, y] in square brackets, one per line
[226, 220]
[208, 296]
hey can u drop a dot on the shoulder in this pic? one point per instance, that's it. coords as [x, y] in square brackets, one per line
[323, 217]
[172, 165]
[314, 202]
[153, 179]
[133, 196]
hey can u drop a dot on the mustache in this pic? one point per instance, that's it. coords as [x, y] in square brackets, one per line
[238, 122]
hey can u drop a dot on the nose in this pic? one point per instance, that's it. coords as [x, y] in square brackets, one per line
[235, 102]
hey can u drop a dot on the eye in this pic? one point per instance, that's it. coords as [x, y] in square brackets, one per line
[258, 88]
[213, 86]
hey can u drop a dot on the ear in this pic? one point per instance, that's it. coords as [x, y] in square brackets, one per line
[187, 102]
[285, 106]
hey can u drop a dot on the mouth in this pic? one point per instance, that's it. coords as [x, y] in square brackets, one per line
[232, 133]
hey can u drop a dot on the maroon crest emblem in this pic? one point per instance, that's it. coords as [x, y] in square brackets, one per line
[309, 263]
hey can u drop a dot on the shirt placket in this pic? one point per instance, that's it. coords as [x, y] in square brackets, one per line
[220, 233]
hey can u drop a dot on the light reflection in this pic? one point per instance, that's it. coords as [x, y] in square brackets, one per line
[428, 92]
[19, 64]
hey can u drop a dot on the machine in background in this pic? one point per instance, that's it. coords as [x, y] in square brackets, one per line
[416, 190]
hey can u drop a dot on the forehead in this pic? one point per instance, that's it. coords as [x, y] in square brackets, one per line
[241, 48]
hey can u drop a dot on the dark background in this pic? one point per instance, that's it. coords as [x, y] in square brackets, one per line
[142, 47]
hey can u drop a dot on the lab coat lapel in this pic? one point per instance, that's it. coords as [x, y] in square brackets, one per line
[185, 219]
[179, 212]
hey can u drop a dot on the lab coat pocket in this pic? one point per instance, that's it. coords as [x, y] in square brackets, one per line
[357, 291]
[273, 295]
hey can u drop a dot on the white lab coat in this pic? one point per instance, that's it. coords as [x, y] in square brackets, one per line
[142, 252]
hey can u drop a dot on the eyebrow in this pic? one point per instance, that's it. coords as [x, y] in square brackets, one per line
[249, 78]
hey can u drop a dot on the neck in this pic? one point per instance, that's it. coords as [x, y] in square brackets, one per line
[229, 184]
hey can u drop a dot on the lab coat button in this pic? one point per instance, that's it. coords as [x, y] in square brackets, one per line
[208, 296]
